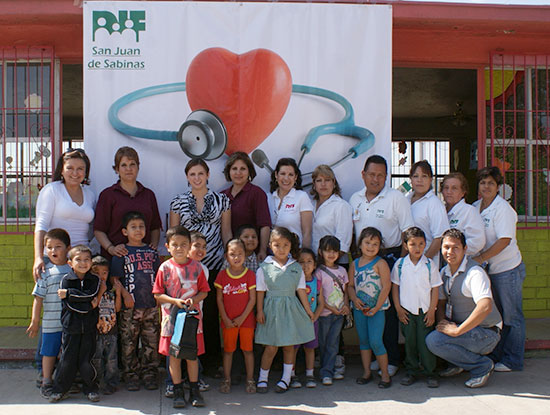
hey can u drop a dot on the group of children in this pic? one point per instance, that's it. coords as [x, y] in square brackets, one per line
[292, 299]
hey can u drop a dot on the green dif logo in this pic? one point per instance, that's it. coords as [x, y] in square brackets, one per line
[126, 20]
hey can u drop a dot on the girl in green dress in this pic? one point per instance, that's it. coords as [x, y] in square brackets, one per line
[282, 320]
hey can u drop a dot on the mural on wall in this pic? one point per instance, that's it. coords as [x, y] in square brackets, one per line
[181, 80]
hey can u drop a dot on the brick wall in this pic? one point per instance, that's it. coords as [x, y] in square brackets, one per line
[16, 283]
[535, 249]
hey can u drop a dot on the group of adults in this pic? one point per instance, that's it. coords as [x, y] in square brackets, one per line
[489, 227]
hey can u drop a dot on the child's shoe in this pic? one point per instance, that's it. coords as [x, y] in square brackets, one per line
[46, 390]
[93, 396]
[250, 386]
[169, 392]
[327, 381]
[225, 386]
[295, 382]
[151, 383]
[58, 396]
[179, 398]
[310, 382]
[195, 397]
[203, 386]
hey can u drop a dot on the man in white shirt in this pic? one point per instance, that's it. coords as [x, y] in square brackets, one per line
[387, 210]
[469, 323]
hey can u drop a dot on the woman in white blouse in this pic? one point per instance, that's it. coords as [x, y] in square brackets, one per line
[506, 269]
[332, 215]
[65, 203]
[290, 206]
[462, 215]
[427, 210]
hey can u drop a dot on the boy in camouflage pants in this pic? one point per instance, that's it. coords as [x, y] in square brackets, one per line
[139, 318]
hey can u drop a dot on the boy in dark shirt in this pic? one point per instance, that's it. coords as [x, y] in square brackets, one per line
[79, 293]
[139, 318]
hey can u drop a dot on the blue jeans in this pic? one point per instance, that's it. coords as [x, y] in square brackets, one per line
[467, 351]
[105, 360]
[329, 335]
[507, 292]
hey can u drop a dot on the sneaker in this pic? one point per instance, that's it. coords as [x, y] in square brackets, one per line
[93, 397]
[480, 380]
[179, 399]
[295, 382]
[39, 380]
[56, 397]
[338, 375]
[374, 365]
[327, 381]
[203, 386]
[46, 390]
[501, 367]
[392, 370]
[195, 398]
[310, 382]
[169, 391]
[340, 370]
[451, 371]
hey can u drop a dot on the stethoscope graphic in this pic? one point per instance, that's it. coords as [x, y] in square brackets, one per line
[203, 134]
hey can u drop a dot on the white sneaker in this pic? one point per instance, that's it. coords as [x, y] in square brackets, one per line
[339, 362]
[295, 382]
[392, 370]
[501, 367]
[479, 381]
[374, 365]
[327, 381]
[338, 375]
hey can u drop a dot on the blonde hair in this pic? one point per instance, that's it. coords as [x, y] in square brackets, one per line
[324, 170]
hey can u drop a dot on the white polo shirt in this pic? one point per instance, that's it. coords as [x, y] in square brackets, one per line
[429, 214]
[466, 219]
[500, 221]
[333, 217]
[415, 282]
[288, 214]
[476, 284]
[389, 212]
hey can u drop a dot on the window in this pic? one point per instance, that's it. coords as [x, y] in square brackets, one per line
[518, 135]
[26, 132]
[407, 152]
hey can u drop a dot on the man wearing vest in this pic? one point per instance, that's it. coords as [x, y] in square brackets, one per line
[469, 323]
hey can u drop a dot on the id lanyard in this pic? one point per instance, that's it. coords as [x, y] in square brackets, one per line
[449, 307]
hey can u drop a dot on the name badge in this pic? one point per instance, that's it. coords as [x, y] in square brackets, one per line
[449, 311]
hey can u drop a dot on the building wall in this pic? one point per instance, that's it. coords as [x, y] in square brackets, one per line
[16, 281]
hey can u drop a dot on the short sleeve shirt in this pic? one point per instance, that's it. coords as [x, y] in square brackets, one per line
[332, 293]
[46, 288]
[236, 293]
[500, 220]
[333, 217]
[207, 222]
[429, 214]
[476, 284]
[389, 212]
[287, 212]
[137, 271]
[249, 207]
[178, 281]
[466, 219]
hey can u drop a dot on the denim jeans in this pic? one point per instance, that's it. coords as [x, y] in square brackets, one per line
[329, 335]
[507, 293]
[467, 351]
[105, 360]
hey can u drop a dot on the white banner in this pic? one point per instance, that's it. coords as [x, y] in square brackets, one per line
[270, 71]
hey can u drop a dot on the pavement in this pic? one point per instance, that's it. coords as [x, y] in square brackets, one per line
[526, 392]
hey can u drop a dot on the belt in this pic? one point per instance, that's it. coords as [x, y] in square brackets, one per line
[495, 329]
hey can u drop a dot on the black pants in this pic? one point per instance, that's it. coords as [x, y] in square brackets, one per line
[391, 326]
[77, 351]
[211, 327]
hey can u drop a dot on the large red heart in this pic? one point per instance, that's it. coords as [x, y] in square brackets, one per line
[249, 92]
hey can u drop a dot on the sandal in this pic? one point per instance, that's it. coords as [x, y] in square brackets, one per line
[250, 386]
[261, 386]
[225, 386]
[363, 380]
[280, 389]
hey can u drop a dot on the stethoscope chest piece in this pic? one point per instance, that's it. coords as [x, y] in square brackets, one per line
[203, 135]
